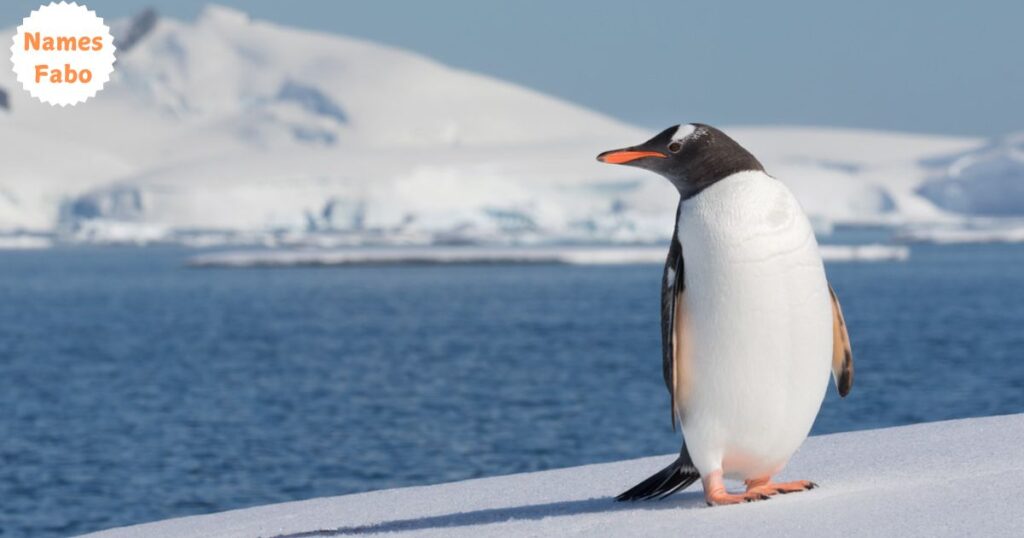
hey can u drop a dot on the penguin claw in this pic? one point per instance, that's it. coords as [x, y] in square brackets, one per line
[723, 498]
[767, 487]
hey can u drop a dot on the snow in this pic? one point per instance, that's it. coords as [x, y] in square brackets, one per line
[430, 255]
[24, 242]
[988, 181]
[848, 176]
[994, 233]
[864, 253]
[952, 478]
[231, 124]
[242, 129]
[573, 255]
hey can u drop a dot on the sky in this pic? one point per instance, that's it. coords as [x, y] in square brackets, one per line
[937, 67]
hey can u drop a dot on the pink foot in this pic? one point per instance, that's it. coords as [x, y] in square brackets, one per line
[715, 493]
[765, 486]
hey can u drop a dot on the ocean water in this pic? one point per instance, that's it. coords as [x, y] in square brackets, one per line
[134, 389]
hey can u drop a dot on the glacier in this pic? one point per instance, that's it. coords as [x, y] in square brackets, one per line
[229, 130]
[988, 181]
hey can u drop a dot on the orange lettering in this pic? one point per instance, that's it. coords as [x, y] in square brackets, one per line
[35, 41]
[32, 41]
[41, 70]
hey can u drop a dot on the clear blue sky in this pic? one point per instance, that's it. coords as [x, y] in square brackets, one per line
[941, 67]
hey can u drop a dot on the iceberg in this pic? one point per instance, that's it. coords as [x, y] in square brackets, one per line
[572, 255]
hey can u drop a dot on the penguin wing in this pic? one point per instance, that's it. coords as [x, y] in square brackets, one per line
[672, 288]
[842, 355]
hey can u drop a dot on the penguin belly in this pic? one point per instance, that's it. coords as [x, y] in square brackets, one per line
[757, 328]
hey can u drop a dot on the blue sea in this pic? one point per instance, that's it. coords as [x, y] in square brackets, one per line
[134, 389]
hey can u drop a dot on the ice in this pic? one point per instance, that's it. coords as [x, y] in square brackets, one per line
[953, 478]
[986, 182]
[24, 242]
[573, 255]
[994, 233]
[243, 129]
[864, 253]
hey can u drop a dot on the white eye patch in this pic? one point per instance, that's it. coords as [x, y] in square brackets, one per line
[683, 131]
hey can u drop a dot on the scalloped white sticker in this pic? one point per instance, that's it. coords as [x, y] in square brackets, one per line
[63, 53]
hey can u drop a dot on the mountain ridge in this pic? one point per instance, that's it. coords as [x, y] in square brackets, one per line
[253, 131]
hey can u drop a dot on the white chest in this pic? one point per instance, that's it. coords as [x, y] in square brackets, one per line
[758, 320]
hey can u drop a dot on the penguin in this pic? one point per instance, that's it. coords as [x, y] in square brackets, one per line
[751, 328]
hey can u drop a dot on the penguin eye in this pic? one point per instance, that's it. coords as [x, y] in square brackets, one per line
[674, 147]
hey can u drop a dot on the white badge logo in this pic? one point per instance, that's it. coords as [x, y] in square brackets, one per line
[63, 54]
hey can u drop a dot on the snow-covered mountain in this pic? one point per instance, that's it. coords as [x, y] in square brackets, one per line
[230, 129]
[988, 181]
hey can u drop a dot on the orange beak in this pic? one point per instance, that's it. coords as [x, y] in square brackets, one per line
[623, 156]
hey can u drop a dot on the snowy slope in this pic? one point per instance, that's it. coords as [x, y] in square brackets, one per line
[255, 130]
[952, 478]
[227, 123]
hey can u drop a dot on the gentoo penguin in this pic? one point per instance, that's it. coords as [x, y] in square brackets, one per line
[750, 326]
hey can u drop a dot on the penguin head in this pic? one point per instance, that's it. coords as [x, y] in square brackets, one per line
[693, 156]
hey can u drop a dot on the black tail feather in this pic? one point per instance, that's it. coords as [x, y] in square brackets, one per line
[676, 476]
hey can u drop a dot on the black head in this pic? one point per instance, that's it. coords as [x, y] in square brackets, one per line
[692, 156]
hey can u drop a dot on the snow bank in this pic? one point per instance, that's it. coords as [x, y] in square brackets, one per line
[455, 255]
[955, 478]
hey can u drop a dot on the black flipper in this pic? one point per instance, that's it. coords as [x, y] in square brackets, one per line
[672, 287]
[681, 473]
[678, 475]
